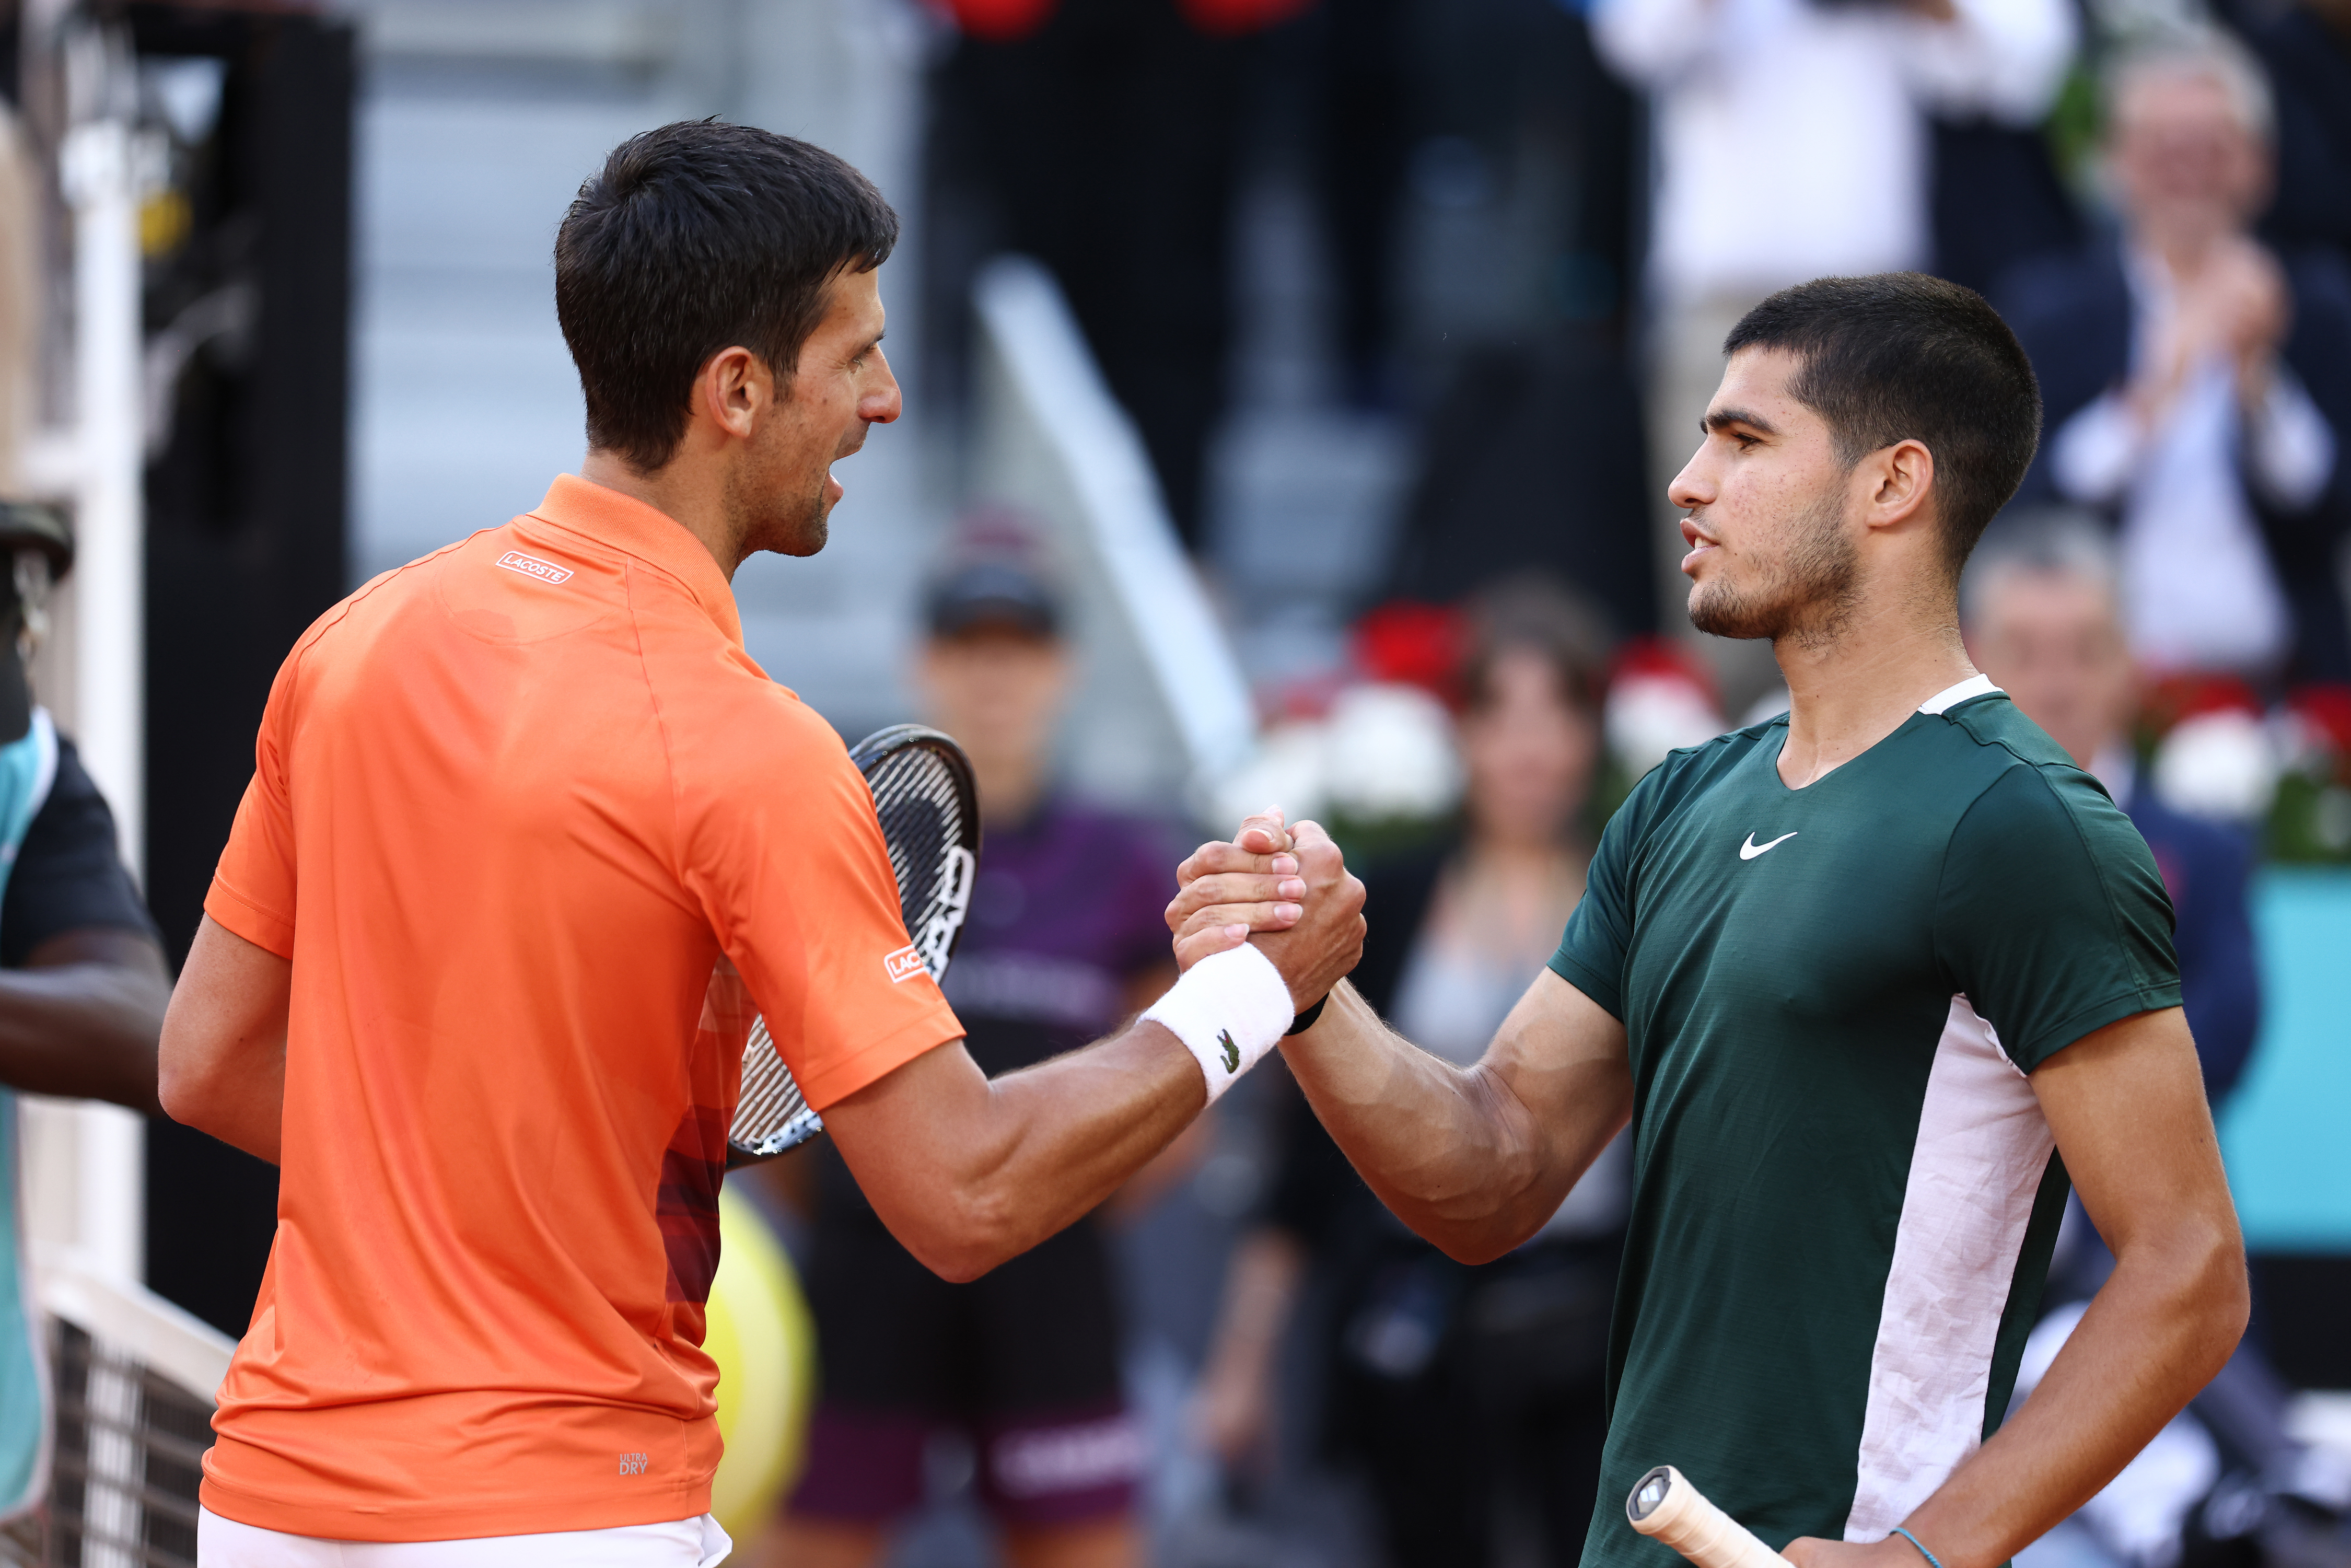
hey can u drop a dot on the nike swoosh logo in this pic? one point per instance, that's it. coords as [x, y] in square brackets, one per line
[1751, 849]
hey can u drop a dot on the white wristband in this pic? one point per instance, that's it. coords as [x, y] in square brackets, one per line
[1229, 1009]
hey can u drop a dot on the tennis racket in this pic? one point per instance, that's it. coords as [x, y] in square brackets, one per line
[1663, 1504]
[929, 808]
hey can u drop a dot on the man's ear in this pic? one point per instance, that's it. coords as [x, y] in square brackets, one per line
[1901, 480]
[733, 390]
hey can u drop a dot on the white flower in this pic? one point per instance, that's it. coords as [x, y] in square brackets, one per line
[2223, 765]
[1286, 771]
[1651, 715]
[1390, 754]
[1385, 752]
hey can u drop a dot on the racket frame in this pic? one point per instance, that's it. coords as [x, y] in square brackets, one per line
[935, 943]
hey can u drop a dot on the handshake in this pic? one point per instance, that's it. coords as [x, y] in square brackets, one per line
[1284, 890]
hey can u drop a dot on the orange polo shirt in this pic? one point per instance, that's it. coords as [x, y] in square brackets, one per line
[522, 813]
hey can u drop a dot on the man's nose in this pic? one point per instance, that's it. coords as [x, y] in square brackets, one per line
[1690, 487]
[882, 402]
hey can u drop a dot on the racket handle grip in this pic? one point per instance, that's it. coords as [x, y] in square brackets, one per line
[1665, 1505]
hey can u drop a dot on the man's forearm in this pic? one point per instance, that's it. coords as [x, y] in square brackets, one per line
[1078, 1128]
[82, 1021]
[247, 1113]
[86, 1031]
[1454, 1151]
[223, 1056]
[967, 1173]
[1475, 1159]
[2165, 1321]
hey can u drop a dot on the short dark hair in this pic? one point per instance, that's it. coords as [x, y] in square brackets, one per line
[1535, 613]
[1903, 356]
[695, 237]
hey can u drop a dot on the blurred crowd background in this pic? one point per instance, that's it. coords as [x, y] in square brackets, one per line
[1293, 389]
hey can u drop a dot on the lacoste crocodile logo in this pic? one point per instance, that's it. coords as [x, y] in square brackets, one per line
[1232, 1051]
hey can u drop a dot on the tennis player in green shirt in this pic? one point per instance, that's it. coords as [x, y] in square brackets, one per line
[1872, 983]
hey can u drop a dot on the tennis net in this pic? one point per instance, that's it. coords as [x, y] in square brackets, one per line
[131, 1380]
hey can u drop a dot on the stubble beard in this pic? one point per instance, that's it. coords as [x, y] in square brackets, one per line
[808, 527]
[785, 523]
[1807, 600]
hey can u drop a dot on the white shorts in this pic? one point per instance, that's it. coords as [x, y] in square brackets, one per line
[682, 1543]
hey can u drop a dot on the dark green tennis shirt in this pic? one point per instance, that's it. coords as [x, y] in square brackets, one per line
[1845, 1194]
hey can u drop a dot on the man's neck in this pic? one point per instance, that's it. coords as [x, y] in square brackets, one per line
[2181, 246]
[687, 494]
[1848, 694]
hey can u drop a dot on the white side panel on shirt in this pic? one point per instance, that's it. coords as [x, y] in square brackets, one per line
[1982, 1149]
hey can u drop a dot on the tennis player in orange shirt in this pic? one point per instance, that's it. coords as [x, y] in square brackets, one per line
[528, 834]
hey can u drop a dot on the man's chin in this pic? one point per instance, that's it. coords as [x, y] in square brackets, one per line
[1718, 613]
[801, 535]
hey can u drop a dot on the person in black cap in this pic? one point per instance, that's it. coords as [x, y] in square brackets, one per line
[1066, 937]
[82, 979]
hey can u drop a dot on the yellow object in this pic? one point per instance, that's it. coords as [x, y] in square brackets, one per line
[164, 220]
[761, 1336]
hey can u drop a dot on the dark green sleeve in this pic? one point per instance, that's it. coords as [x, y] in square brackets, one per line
[1591, 955]
[2051, 918]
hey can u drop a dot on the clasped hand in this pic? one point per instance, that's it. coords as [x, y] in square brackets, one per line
[1286, 887]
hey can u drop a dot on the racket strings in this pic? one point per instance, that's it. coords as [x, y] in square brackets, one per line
[770, 1107]
[922, 798]
[918, 797]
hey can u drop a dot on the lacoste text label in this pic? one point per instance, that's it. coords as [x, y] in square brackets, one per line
[531, 566]
[904, 963]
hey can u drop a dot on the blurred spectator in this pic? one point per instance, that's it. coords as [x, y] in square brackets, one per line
[2043, 620]
[1100, 136]
[82, 979]
[1792, 141]
[2226, 1482]
[1066, 939]
[2197, 385]
[1462, 1391]
[2308, 51]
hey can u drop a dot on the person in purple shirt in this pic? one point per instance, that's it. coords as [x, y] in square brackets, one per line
[1067, 936]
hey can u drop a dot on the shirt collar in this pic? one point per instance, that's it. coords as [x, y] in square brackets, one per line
[646, 533]
[1951, 697]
